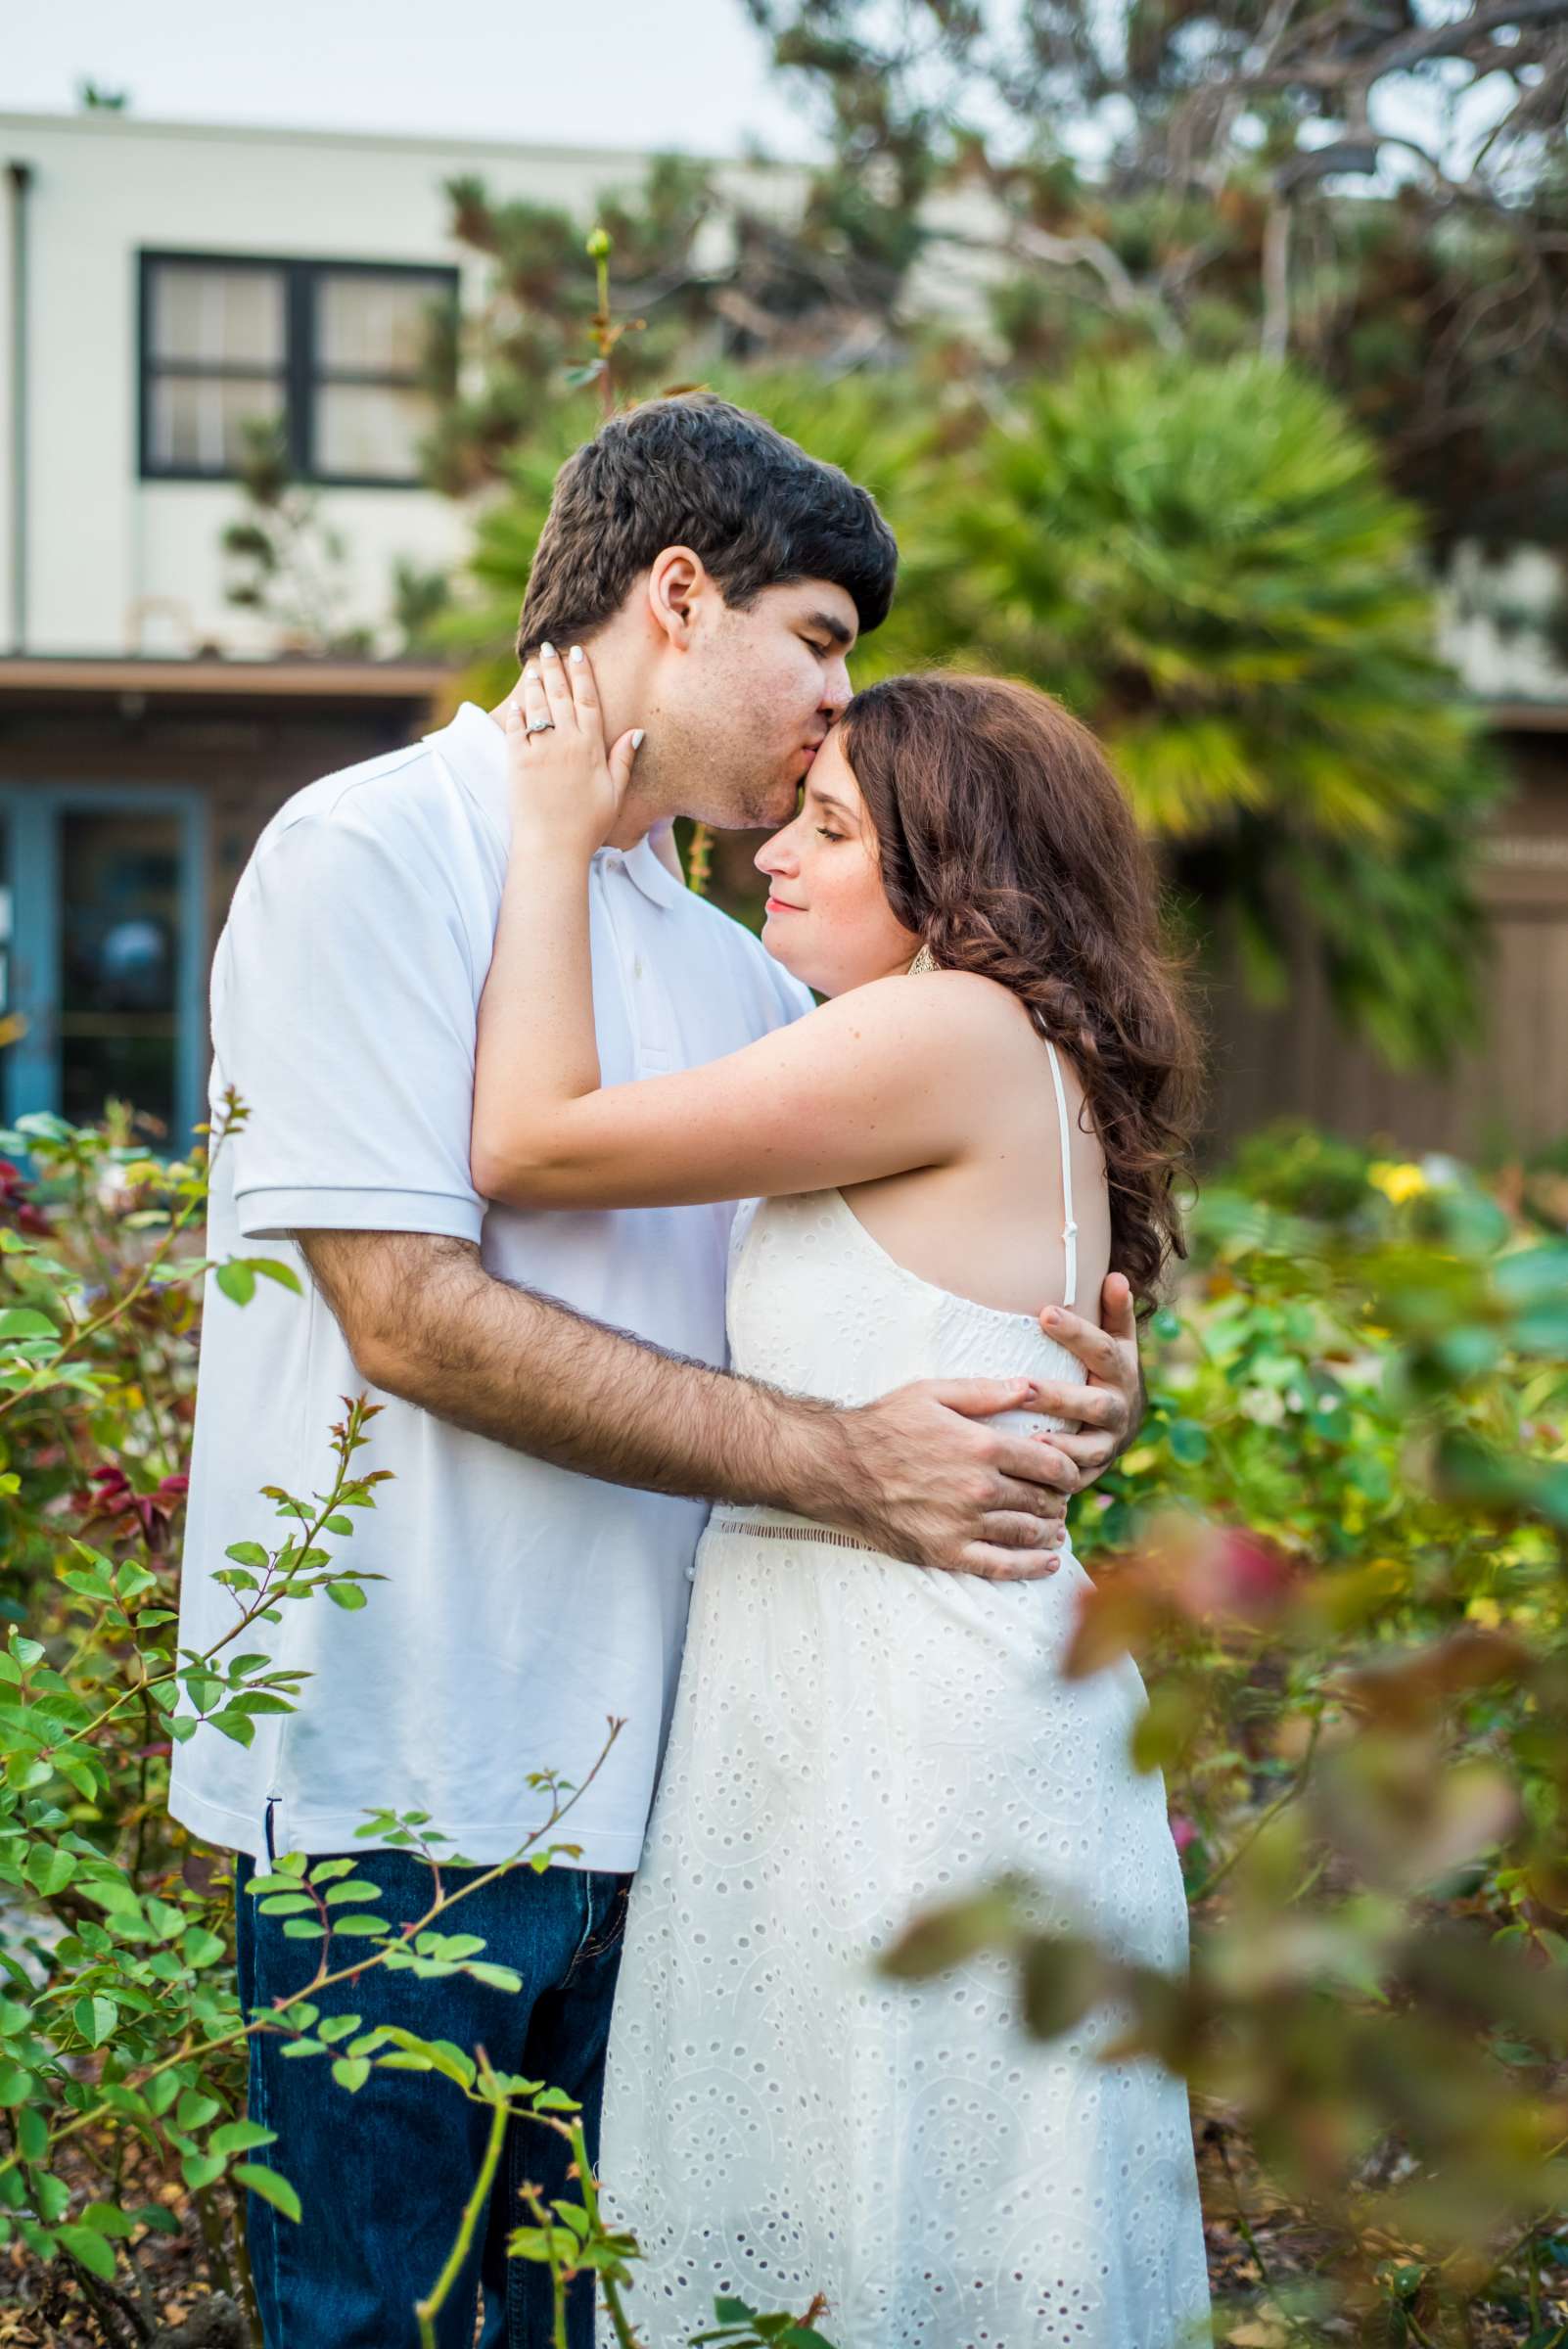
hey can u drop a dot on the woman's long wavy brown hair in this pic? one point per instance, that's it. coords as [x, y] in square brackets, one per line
[1008, 843]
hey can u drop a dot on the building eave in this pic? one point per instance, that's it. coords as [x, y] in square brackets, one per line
[18, 124]
[1526, 717]
[300, 680]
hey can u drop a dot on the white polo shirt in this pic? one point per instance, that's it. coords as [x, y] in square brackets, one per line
[523, 1604]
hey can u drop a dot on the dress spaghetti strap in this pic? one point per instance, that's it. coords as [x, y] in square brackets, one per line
[1069, 1227]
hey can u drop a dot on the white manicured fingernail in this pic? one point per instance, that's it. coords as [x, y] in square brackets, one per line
[547, 652]
[636, 738]
[575, 653]
[531, 676]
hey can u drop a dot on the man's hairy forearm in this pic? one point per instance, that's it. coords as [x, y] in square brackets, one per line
[426, 1321]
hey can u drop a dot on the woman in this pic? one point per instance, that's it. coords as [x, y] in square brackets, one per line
[988, 1107]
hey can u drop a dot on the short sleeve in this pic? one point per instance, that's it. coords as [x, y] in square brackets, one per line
[343, 1013]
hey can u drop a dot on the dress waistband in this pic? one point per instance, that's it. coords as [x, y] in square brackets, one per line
[772, 1528]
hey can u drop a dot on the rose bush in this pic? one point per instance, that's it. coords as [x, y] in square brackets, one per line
[1336, 1550]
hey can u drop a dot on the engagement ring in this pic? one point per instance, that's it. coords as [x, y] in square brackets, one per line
[540, 725]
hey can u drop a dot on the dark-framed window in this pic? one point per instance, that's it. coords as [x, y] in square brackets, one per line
[336, 353]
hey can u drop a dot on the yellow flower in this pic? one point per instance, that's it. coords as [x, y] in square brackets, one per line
[1398, 1182]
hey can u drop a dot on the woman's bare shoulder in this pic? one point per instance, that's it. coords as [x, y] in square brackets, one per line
[976, 1011]
[956, 1031]
[961, 1008]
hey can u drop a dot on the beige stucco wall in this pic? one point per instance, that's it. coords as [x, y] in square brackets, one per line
[116, 562]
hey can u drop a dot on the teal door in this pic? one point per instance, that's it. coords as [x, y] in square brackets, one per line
[102, 953]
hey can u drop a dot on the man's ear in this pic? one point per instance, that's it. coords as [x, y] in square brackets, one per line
[676, 584]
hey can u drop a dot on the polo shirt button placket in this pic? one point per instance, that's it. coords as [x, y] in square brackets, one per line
[647, 1007]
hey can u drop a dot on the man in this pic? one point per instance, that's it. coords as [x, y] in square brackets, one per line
[556, 1410]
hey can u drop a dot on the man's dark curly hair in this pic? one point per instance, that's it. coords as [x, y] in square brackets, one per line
[694, 471]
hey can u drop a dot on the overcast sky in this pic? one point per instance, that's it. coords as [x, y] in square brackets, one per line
[622, 72]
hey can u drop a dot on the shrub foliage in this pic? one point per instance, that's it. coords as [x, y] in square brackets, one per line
[1336, 1551]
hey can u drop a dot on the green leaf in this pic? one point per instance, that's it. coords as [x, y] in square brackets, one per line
[338, 2026]
[239, 2137]
[347, 1595]
[95, 2018]
[237, 1280]
[106, 2218]
[453, 1947]
[125, 2101]
[269, 2185]
[351, 2072]
[21, 1322]
[247, 1553]
[358, 1924]
[52, 2195]
[49, 1870]
[161, 2090]
[271, 1269]
[498, 1978]
[156, 2216]
[90, 2250]
[441, 2054]
[201, 2169]
[195, 2110]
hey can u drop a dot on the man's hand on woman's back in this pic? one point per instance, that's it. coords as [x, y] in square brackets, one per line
[1109, 1405]
[945, 1488]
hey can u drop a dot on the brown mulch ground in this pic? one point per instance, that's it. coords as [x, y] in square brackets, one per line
[46, 2307]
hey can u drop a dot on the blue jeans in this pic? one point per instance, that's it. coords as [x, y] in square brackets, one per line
[383, 2175]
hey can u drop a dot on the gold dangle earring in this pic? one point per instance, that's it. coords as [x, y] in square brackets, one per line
[925, 960]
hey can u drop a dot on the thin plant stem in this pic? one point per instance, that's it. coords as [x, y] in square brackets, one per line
[429, 2307]
[1281, 1803]
[186, 2053]
[589, 2185]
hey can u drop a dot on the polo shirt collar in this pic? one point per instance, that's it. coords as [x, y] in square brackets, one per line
[473, 747]
[650, 872]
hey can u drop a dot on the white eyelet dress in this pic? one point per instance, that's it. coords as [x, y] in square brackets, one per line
[855, 1741]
